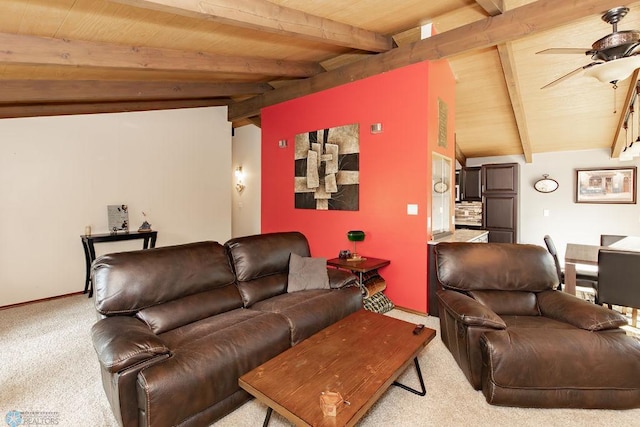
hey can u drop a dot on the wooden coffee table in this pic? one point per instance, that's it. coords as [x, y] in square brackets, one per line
[360, 356]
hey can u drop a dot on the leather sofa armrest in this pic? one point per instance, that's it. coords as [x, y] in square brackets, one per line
[339, 279]
[123, 341]
[469, 311]
[577, 312]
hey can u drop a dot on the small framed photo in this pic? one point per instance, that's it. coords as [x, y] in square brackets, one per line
[606, 185]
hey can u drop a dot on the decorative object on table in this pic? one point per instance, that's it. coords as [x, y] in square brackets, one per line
[546, 184]
[327, 169]
[606, 185]
[87, 230]
[329, 401]
[118, 218]
[344, 254]
[355, 236]
[145, 225]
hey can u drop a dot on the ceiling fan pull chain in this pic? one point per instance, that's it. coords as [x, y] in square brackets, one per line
[615, 108]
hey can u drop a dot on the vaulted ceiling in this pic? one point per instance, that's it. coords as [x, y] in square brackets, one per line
[89, 56]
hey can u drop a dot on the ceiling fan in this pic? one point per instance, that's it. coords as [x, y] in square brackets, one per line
[614, 55]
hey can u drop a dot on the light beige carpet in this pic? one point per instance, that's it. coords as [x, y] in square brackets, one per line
[49, 366]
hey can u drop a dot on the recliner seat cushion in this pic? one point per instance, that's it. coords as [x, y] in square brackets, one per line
[207, 359]
[310, 311]
[569, 368]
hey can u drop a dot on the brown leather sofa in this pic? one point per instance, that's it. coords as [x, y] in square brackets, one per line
[179, 325]
[522, 342]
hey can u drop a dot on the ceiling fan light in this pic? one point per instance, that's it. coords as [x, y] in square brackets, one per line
[615, 70]
[625, 156]
[634, 149]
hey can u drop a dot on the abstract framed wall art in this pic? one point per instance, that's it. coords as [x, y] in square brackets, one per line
[606, 185]
[327, 169]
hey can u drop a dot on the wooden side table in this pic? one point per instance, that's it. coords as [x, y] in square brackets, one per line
[149, 238]
[359, 267]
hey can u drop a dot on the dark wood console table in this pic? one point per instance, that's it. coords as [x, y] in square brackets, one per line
[149, 238]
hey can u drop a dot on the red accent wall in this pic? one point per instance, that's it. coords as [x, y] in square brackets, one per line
[395, 170]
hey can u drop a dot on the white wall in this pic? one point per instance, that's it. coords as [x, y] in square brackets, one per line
[58, 174]
[247, 152]
[568, 222]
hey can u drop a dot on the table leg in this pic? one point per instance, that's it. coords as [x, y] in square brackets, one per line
[92, 257]
[423, 390]
[267, 417]
[570, 278]
[87, 261]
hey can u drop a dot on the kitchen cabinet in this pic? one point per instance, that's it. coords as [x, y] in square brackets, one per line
[500, 201]
[471, 184]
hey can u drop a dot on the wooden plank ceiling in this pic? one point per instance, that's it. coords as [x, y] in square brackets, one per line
[90, 56]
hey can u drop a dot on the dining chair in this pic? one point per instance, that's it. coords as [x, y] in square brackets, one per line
[619, 280]
[610, 239]
[584, 278]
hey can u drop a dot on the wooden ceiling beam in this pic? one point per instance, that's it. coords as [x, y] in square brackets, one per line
[515, 95]
[511, 25]
[21, 49]
[16, 111]
[31, 91]
[617, 145]
[266, 16]
[505, 51]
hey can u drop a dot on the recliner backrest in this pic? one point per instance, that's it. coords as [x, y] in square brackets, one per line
[495, 266]
[261, 263]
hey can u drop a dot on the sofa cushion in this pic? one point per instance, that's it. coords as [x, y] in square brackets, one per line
[207, 359]
[127, 282]
[508, 302]
[261, 263]
[310, 311]
[307, 273]
[164, 317]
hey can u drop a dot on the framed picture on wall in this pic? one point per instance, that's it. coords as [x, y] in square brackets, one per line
[606, 185]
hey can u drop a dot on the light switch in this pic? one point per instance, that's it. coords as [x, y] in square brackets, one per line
[545, 212]
[412, 209]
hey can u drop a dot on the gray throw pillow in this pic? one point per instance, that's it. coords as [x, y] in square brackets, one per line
[307, 273]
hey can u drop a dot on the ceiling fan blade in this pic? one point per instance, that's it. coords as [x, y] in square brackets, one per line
[566, 76]
[564, 50]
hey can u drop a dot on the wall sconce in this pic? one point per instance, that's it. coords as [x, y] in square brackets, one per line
[240, 179]
[282, 143]
[376, 128]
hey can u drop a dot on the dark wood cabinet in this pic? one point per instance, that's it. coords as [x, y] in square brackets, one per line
[500, 201]
[471, 184]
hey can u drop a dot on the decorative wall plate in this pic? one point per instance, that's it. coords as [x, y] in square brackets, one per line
[440, 187]
[546, 184]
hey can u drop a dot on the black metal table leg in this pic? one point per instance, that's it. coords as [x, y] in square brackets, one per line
[412, 390]
[267, 417]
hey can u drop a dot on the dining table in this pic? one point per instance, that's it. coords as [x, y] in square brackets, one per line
[578, 254]
[581, 254]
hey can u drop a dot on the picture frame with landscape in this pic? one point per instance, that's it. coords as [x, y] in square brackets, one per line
[606, 185]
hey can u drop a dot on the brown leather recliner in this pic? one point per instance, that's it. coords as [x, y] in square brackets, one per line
[522, 342]
[176, 332]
